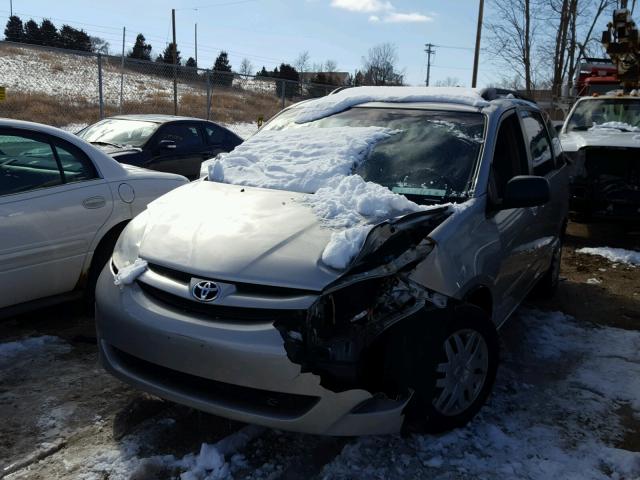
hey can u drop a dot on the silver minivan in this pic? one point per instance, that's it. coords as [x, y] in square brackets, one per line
[236, 313]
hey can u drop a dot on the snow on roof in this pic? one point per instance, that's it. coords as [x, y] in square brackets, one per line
[344, 99]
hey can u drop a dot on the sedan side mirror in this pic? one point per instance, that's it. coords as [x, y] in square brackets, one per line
[167, 145]
[525, 191]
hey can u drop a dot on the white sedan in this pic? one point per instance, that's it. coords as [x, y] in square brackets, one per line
[63, 204]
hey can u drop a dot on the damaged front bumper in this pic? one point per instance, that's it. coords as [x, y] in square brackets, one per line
[238, 371]
[333, 369]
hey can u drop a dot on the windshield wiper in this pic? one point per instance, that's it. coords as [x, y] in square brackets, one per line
[107, 143]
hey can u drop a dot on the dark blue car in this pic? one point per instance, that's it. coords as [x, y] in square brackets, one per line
[161, 142]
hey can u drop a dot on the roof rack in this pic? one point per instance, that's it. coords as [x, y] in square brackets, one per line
[339, 89]
[495, 93]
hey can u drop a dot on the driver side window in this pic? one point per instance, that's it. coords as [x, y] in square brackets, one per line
[509, 157]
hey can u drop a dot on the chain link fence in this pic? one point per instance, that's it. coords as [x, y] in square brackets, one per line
[71, 89]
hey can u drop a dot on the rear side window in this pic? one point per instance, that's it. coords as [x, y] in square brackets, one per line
[184, 135]
[26, 164]
[76, 167]
[215, 135]
[539, 143]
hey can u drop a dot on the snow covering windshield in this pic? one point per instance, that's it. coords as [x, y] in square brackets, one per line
[622, 114]
[119, 132]
[430, 157]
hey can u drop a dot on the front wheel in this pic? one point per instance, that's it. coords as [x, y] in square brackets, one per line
[457, 374]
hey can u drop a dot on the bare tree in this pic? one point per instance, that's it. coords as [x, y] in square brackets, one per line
[302, 62]
[246, 67]
[513, 33]
[330, 66]
[381, 66]
[449, 82]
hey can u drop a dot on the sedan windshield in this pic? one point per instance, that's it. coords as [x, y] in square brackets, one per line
[622, 114]
[431, 158]
[119, 132]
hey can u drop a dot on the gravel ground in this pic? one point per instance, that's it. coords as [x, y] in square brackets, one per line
[566, 402]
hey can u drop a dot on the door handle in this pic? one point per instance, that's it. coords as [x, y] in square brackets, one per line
[94, 202]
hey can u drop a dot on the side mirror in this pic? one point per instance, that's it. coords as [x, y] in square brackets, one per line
[525, 191]
[167, 145]
[558, 127]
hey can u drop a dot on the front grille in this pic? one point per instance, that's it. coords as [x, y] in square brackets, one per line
[220, 312]
[241, 288]
[276, 404]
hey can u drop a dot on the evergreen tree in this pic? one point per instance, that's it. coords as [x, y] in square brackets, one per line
[74, 39]
[287, 72]
[191, 62]
[167, 55]
[262, 73]
[222, 70]
[32, 33]
[14, 31]
[141, 50]
[49, 34]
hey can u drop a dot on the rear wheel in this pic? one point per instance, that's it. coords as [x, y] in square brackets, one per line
[548, 283]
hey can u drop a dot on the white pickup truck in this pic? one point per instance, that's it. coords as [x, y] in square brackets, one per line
[601, 135]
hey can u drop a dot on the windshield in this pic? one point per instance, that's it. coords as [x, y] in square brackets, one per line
[118, 132]
[432, 157]
[622, 114]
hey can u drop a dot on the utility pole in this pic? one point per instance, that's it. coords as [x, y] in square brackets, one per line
[124, 29]
[175, 63]
[429, 51]
[476, 57]
[196, 44]
[11, 8]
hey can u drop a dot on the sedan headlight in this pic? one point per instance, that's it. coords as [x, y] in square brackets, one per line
[128, 245]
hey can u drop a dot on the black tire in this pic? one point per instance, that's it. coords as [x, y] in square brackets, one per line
[100, 257]
[423, 349]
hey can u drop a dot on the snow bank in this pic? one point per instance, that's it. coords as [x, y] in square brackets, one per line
[128, 274]
[324, 106]
[616, 255]
[300, 159]
[243, 129]
[614, 126]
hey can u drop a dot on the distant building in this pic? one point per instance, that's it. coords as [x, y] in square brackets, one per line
[341, 77]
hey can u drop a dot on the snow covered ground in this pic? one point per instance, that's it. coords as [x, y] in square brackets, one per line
[557, 412]
[27, 70]
[616, 255]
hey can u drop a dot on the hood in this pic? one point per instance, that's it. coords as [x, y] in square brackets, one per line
[574, 141]
[241, 234]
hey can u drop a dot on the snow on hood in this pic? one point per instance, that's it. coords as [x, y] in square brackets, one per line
[340, 101]
[621, 126]
[298, 159]
[319, 161]
[599, 137]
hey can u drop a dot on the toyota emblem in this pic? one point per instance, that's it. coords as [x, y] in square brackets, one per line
[205, 291]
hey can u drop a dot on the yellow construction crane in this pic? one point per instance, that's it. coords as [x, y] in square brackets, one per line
[622, 44]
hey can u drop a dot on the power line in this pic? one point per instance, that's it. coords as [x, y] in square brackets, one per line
[212, 5]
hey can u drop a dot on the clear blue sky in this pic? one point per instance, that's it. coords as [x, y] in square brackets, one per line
[269, 32]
